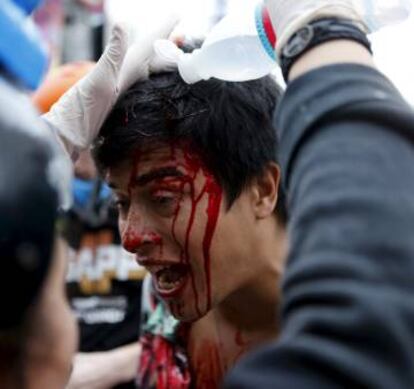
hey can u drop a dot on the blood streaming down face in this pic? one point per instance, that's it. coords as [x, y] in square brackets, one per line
[169, 206]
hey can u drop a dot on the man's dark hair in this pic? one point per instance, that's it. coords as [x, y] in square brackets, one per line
[229, 124]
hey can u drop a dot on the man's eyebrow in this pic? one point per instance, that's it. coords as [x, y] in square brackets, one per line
[156, 174]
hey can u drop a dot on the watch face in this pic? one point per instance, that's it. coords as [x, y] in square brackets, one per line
[298, 42]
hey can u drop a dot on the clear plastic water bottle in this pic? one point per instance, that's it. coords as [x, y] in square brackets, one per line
[232, 50]
[241, 46]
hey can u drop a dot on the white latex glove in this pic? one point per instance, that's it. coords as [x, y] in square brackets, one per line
[80, 112]
[288, 16]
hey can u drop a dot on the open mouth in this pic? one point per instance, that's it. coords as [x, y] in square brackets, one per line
[170, 280]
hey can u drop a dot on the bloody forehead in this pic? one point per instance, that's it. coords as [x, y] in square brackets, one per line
[166, 159]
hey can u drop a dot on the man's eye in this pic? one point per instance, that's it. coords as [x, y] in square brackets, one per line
[162, 200]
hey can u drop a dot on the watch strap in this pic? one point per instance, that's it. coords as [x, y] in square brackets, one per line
[315, 33]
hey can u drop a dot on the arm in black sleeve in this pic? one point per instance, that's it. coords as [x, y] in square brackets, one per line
[347, 157]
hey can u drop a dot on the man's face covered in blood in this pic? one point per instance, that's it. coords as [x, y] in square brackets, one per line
[174, 217]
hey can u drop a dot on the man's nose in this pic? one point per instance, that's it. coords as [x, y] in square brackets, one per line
[138, 238]
[140, 242]
[137, 235]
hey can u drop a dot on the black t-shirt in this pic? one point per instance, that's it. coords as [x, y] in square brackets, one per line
[103, 286]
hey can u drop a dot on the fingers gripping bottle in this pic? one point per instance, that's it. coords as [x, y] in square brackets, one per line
[242, 47]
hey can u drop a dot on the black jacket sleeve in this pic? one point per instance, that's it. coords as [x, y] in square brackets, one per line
[347, 156]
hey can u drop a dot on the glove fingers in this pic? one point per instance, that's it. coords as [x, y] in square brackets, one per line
[138, 58]
[106, 72]
[80, 112]
[117, 47]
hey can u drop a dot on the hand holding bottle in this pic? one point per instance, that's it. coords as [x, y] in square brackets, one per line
[241, 48]
[289, 16]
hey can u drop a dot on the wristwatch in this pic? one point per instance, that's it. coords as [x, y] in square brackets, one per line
[317, 32]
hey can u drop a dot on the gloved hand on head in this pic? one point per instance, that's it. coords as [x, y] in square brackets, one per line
[81, 111]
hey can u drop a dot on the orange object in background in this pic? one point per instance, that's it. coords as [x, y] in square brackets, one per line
[57, 82]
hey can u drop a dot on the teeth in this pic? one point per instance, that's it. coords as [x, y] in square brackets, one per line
[167, 285]
[169, 279]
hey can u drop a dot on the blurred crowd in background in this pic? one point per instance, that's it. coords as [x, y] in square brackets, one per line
[78, 29]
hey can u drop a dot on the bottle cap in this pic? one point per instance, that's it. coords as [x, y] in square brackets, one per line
[169, 53]
[187, 69]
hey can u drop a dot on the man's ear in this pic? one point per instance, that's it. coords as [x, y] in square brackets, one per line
[265, 190]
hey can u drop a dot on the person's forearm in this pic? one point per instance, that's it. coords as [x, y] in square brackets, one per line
[346, 157]
[126, 361]
[346, 140]
[329, 53]
[100, 370]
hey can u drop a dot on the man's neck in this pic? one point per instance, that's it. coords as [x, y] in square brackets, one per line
[243, 321]
[253, 308]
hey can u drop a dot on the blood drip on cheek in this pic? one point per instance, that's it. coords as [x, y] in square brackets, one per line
[214, 198]
[184, 256]
[193, 165]
[214, 192]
